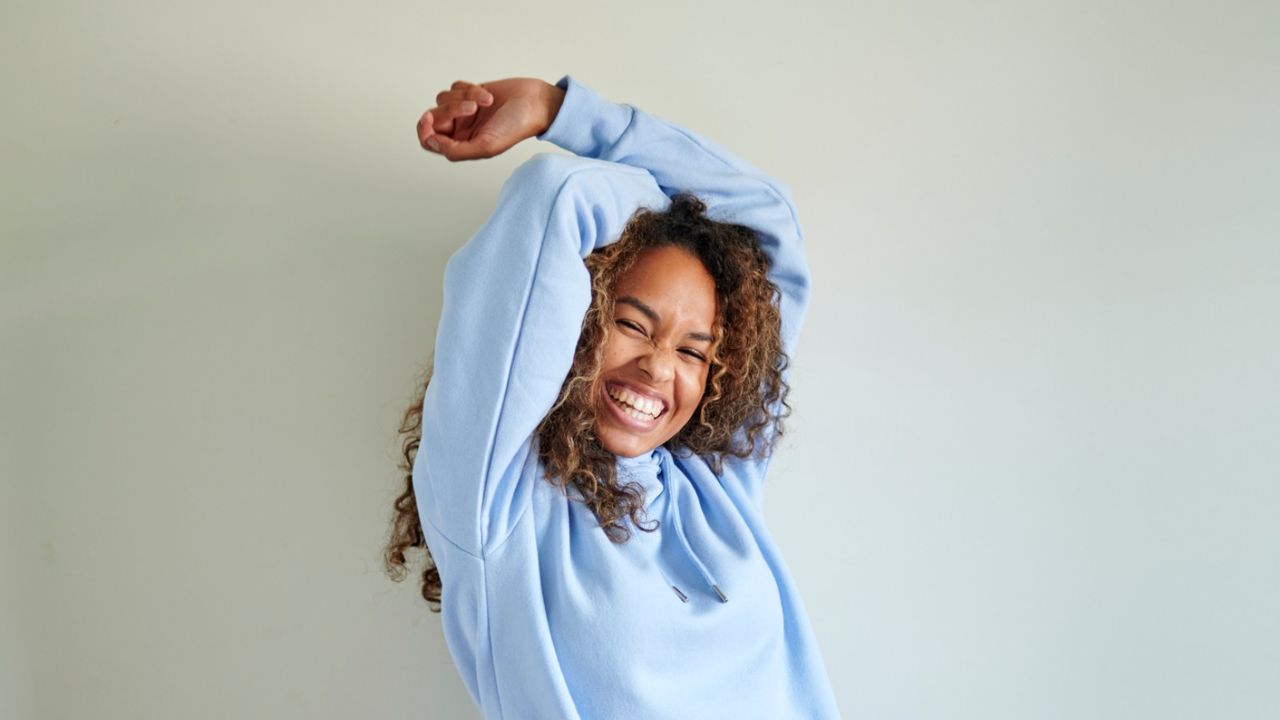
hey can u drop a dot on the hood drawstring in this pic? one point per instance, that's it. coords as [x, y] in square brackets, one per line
[671, 518]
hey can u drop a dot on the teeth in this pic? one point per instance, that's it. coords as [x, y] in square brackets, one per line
[640, 408]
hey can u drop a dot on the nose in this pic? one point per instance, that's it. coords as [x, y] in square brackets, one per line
[658, 364]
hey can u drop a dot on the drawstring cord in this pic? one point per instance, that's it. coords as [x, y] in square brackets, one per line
[671, 516]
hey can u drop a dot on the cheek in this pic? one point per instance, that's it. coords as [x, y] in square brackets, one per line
[615, 352]
[693, 383]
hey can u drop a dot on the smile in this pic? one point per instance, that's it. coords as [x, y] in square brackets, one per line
[639, 410]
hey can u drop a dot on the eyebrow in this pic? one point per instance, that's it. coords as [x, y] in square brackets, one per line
[656, 318]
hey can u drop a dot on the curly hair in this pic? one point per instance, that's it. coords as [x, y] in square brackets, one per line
[740, 414]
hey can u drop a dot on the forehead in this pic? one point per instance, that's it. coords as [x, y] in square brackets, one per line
[673, 282]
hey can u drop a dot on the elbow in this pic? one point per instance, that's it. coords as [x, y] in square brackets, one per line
[543, 175]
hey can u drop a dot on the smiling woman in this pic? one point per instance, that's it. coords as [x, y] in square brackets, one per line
[680, 346]
[655, 359]
[610, 357]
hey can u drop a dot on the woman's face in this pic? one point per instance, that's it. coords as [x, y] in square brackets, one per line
[657, 353]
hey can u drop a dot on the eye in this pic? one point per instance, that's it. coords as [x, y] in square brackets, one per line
[690, 352]
[630, 325]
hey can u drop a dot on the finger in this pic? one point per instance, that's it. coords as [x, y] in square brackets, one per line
[455, 150]
[457, 108]
[442, 117]
[432, 123]
[426, 129]
[475, 93]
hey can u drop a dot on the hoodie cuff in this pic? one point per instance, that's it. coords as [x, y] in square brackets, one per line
[587, 124]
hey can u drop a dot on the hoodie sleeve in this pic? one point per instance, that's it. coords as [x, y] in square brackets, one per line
[514, 299]
[733, 191]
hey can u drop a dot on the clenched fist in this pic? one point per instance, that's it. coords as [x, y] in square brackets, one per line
[471, 121]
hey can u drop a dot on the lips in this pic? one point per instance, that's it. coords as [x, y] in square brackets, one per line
[633, 407]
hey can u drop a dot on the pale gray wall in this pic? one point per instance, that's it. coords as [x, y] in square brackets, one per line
[1034, 468]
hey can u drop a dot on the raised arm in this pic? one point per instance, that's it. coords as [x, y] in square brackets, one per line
[514, 299]
[475, 121]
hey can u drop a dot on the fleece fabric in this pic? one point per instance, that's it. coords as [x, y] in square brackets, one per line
[545, 617]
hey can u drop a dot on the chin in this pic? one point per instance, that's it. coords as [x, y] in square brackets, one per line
[623, 444]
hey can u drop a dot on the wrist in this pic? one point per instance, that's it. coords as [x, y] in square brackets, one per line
[551, 98]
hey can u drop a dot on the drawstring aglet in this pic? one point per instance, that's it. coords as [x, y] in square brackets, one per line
[719, 592]
[683, 598]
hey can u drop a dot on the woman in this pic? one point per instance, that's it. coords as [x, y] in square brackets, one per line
[610, 359]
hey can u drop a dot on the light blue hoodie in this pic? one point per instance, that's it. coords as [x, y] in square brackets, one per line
[544, 616]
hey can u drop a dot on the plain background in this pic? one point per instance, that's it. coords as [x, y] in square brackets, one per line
[1034, 470]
